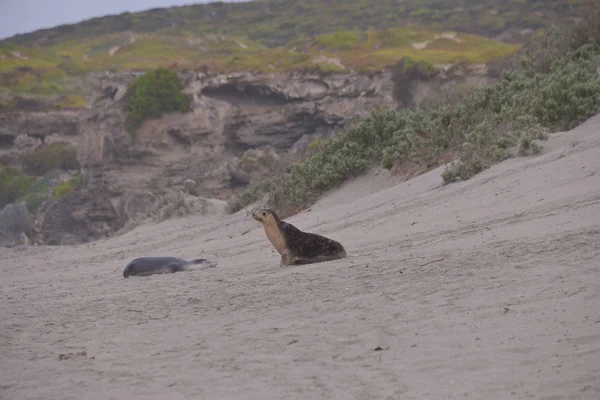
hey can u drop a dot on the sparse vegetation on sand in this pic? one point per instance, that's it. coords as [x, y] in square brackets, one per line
[554, 85]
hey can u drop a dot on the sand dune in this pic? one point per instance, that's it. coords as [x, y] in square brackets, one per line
[486, 289]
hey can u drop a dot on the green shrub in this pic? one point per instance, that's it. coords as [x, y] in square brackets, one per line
[47, 158]
[39, 192]
[16, 186]
[153, 94]
[13, 185]
[341, 40]
[65, 188]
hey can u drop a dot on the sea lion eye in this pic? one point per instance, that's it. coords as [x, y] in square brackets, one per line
[264, 214]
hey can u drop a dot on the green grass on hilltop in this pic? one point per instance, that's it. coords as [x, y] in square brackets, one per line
[37, 73]
[43, 72]
[267, 35]
[556, 87]
[276, 22]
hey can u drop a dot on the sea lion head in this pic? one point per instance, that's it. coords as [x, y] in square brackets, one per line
[266, 217]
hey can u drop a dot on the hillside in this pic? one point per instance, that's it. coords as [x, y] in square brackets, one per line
[272, 35]
[277, 22]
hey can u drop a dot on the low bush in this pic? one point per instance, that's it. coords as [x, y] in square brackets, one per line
[153, 94]
[13, 185]
[65, 188]
[39, 192]
[16, 186]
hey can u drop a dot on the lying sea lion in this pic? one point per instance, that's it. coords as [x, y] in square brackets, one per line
[294, 246]
[145, 266]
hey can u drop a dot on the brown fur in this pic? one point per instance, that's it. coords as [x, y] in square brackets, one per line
[294, 246]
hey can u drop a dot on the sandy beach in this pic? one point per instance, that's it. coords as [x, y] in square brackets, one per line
[484, 289]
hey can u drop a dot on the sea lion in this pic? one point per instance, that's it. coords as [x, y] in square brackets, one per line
[294, 246]
[145, 266]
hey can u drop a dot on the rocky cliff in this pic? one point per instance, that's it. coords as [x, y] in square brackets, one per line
[243, 127]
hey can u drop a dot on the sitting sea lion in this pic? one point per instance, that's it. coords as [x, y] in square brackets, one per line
[297, 247]
[145, 266]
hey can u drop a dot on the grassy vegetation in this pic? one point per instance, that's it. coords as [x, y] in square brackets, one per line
[71, 102]
[35, 73]
[16, 186]
[556, 87]
[13, 185]
[152, 94]
[65, 188]
[145, 52]
[276, 22]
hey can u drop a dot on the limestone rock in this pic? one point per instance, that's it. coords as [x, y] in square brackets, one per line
[25, 142]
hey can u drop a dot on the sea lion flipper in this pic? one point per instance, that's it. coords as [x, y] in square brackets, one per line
[302, 261]
[286, 259]
[316, 259]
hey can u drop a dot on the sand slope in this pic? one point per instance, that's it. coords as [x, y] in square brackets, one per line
[486, 289]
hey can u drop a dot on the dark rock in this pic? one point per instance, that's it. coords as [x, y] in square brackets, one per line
[7, 141]
[110, 91]
[15, 225]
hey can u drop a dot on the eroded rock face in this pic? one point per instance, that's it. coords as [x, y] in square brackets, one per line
[279, 109]
[103, 137]
[243, 127]
[40, 124]
[80, 217]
